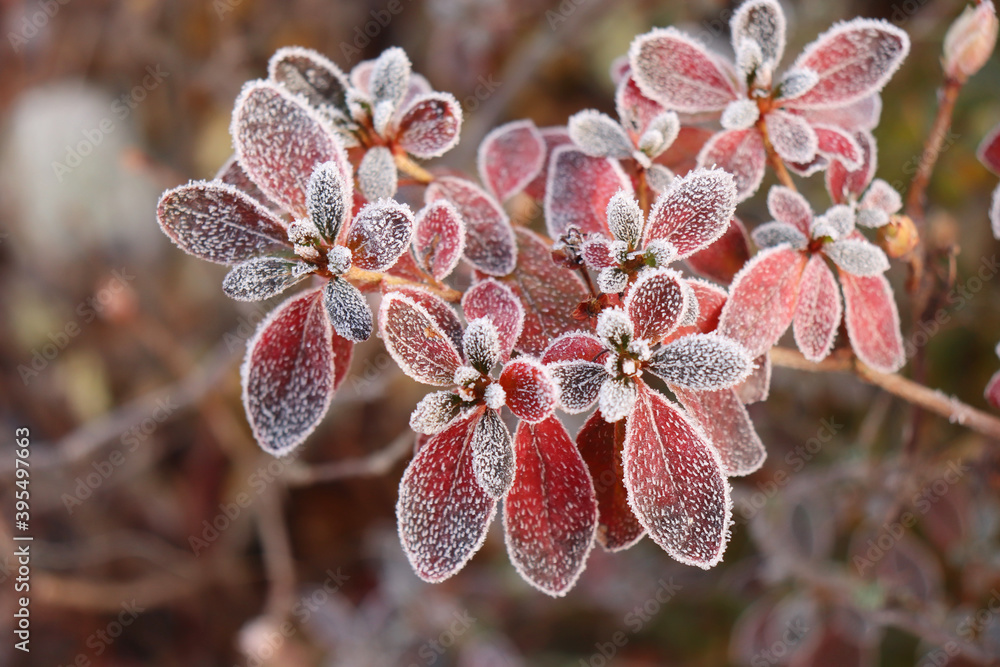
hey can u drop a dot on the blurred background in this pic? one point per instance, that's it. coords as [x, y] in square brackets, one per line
[163, 535]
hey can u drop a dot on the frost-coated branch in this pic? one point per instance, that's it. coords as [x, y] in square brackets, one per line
[917, 394]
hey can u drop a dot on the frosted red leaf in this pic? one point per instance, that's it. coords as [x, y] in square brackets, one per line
[873, 321]
[550, 513]
[762, 299]
[553, 138]
[510, 157]
[989, 150]
[656, 303]
[739, 152]
[727, 425]
[838, 144]
[279, 142]
[439, 310]
[601, 253]
[231, 173]
[544, 289]
[530, 392]
[679, 72]
[498, 303]
[423, 350]
[430, 126]
[288, 373]
[343, 350]
[438, 238]
[694, 212]
[842, 182]
[379, 234]
[676, 485]
[725, 257]
[442, 512]
[493, 454]
[601, 449]
[853, 59]
[859, 115]
[787, 205]
[219, 223]
[818, 313]
[489, 238]
[757, 387]
[579, 189]
[635, 110]
[793, 138]
[574, 346]
[310, 74]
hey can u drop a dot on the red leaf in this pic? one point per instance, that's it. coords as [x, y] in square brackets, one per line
[553, 137]
[289, 373]
[574, 347]
[343, 350]
[310, 74]
[489, 239]
[439, 238]
[853, 60]
[635, 110]
[679, 73]
[379, 234]
[550, 514]
[841, 181]
[726, 423]
[510, 157]
[741, 153]
[498, 303]
[873, 321]
[530, 392]
[231, 173]
[725, 257]
[817, 315]
[989, 150]
[711, 299]
[438, 309]
[279, 142]
[676, 485]
[578, 191]
[788, 206]
[219, 223]
[762, 299]
[423, 350]
[442, 512]
[655, 304]
[546, 291]
[430, 125]
[836, 143]
[757, 387]
[601, 449]
[694, 212]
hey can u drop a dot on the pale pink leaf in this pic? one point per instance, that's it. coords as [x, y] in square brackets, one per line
[679, 72]
[442, 512]
[635, 110]
[531, 395]
[739, 152]
[762, 22]
[510, 157]
[788, 206]
[600, 444]
[489, 242]
[873, 321]
[430, 126]
[553, 138]
[818, 313]
[725, 257]
[279, 142]
[694, 212]
[676, 484]
[656, 303]
[550, 513]
[379, 234]
[757, 387]
[438, 238]
[838, 144]
[423, 350]
[498, 303]
[853, 59]
[989, 150]
[288, 373]
[579, 189]
[546, 291]
[702, 362]
[762, 299]
[728, 427]
[863, 114]
[217, 222]
[793, 138]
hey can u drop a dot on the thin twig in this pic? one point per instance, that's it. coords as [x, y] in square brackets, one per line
[277, 550]
[917, 394]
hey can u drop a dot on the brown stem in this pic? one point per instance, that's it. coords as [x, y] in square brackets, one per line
[917, 394]
[772, 156]
[644, 198]
[356, 275]
[412, 169]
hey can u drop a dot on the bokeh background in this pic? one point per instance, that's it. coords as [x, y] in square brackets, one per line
[121, 355]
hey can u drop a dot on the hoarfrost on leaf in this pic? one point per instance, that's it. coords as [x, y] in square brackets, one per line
[434, 412]
[857, 256]
[379, 234]
[625, 218]
[702, 362]
[261, 278]
[349, 312]
[329, 200]
[493, 454]
[617, 397]
[740, 114]
[599, 135]
[481, 344]
[377, 175]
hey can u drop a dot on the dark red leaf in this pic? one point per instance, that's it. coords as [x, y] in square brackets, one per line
[578, 190]
[726, 423]
[510, 157]
[530, 392]
[439, 238]
[430, 125]
[498, 303]
[438, 309]
[656, 303]
[423, 350]
[489, 240]
[989, 150]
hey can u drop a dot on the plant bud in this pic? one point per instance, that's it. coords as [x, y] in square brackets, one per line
[899, 236]
[970, 41]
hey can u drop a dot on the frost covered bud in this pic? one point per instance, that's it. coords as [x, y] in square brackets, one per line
[303, 232]
[970, 41]
[338, 259]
